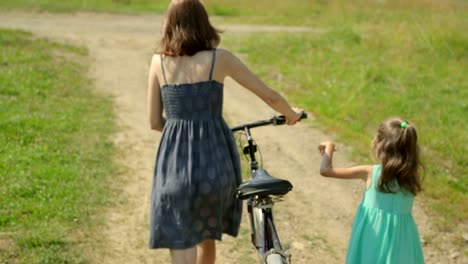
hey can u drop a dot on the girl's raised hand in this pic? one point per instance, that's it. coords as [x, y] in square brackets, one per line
[326, 145]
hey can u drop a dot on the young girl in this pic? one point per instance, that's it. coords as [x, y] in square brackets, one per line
[197, 167]
[384, 230]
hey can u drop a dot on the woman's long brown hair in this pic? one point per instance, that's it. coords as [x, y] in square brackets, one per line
[397, 148]
[187, 29]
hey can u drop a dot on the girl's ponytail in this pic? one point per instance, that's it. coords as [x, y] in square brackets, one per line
[398, 150]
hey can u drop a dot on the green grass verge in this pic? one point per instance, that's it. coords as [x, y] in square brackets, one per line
[55, 151]
[276, 12]
[373, 66]
[323, 12]
[240, 11]
[120, 6]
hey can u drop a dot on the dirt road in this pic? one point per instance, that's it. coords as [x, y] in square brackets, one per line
[314, 220]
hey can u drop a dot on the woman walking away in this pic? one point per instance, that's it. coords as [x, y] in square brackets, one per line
[384, 230]
[197, 168]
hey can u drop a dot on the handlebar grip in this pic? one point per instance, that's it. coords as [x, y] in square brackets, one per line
[303, 116]
[281, 119]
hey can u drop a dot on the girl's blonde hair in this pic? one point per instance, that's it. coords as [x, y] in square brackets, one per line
[396, 146]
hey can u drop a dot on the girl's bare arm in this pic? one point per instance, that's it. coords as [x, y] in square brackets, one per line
[326, 166]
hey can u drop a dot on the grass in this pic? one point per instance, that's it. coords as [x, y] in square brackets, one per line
[55, 151]
[276, 12]
[370, 64]
[120, 6]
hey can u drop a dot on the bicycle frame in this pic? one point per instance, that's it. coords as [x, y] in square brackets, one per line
[264, 236]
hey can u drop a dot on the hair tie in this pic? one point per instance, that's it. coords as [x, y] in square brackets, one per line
[404, 124]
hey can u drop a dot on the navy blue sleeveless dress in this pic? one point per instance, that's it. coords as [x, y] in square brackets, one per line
[197, 168]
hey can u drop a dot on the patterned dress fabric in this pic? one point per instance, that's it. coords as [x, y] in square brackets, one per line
[384, 230]
[197, 169]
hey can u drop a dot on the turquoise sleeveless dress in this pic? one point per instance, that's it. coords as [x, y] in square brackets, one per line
[384, 230]
[197, 168]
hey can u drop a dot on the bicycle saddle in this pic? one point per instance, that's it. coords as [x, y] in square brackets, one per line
[263, 184]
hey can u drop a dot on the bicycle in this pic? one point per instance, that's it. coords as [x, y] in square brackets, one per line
[261, 191]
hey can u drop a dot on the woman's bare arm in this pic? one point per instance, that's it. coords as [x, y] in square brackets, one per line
[154, 100]
[234, 68]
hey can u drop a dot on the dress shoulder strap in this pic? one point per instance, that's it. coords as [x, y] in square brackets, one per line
[212, 64]
[162, 68]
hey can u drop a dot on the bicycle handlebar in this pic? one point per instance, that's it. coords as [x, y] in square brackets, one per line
[275, 120]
